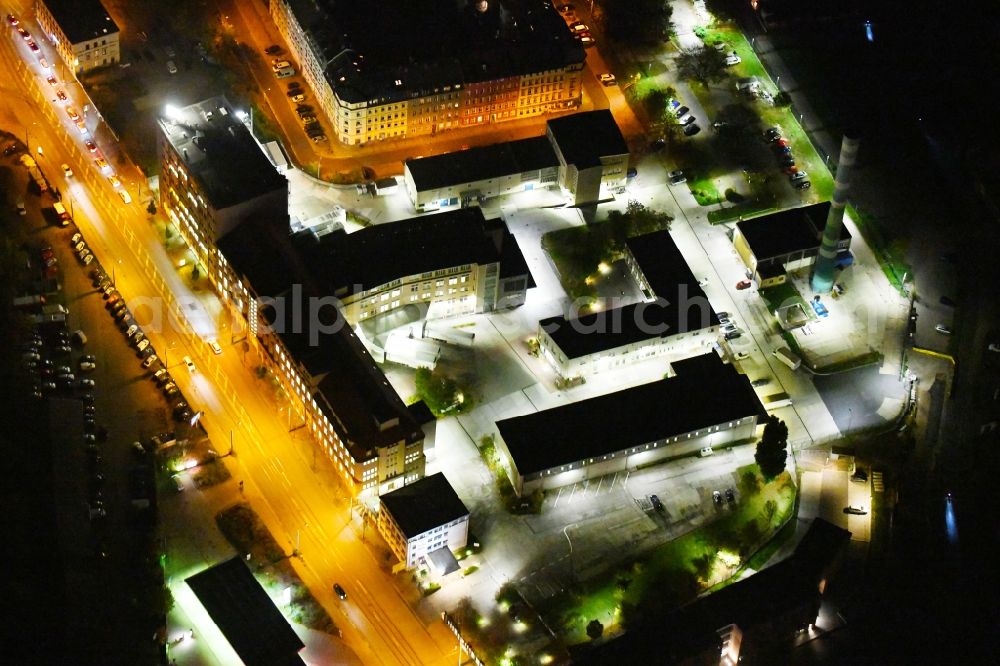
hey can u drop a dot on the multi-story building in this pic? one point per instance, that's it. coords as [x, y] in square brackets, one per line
[425, 522]
[399, 69]
[214, 176]
[584, 154]
[706, 404]
[83, 33]
[675, 321]
[448, 264]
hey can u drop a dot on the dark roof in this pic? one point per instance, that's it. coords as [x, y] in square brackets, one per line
[423, 505]
[663, 266]
[705, 392]
[787, 231]
[218, 149]
[680, 305]
[363, 407]
[348, 263]
[512, 261]
[485, 163]
[254, 250]
[81, 20]
[763, 599]
[367, 52]
[245, 614]
[421, 413]
[583, 138]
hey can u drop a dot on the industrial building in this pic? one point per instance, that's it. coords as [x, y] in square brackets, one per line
[707, 403]
[377, 75]
[82, 31]
[584, 154]
[675, 320]
[424, 523]
[773, 245]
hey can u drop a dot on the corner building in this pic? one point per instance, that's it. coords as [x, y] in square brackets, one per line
[398, 68]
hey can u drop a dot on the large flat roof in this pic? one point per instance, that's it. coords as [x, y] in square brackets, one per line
[476, 164]
[81, 20]
[376, 255]
[400, 49]
[680, 306]
[245, 614]
[787, 231]
[705, 392]
[583, 138]
[219, 151]
[423, 505]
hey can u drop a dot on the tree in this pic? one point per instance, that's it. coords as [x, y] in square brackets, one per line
[771, 449]
[703, 65]
[642, 22]
[595, 629]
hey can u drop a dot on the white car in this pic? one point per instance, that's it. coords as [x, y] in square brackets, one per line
[740, 356]
[142, 344]
[67, 171]
[733, 59]
[993, 347]
[798, 175]
[190, 364]
[150, 360]
[216, 349]
[87, 366]
[171, 67]
[607, 79]
[702, 282]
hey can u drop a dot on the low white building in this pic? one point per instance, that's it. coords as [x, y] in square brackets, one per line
[425, 523]
[675, 320]
[584, 154]
[707, 404]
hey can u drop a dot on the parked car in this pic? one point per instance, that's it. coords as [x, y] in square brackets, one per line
[732, 59]
[691, 130]
[763, 381]
[717, 497]
[608, 79]
[730, 495]
[856, 511]
[803, 185]
[942, 329]
[339, 591]
[677, 177]
[744, 284]
[655, 501]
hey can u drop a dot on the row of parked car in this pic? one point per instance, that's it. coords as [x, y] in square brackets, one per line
[782, 149]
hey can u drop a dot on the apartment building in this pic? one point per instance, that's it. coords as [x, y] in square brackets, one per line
[378, 75]
[82, 31]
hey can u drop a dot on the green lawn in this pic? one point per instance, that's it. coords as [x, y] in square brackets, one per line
[704, 190]
[676, 572]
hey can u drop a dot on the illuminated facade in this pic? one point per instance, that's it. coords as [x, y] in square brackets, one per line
[450, 264]
[83, 33]
[707, 403]
[231, 207]
[518, 61]
[675, 321]
[424, 523]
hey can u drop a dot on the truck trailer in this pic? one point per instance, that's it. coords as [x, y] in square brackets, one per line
[786, 356]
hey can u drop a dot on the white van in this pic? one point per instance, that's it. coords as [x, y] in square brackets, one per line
[284, 72]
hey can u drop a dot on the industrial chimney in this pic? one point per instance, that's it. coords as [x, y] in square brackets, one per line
[822, 278]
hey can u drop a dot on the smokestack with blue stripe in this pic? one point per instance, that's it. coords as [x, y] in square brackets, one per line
[822, 278]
